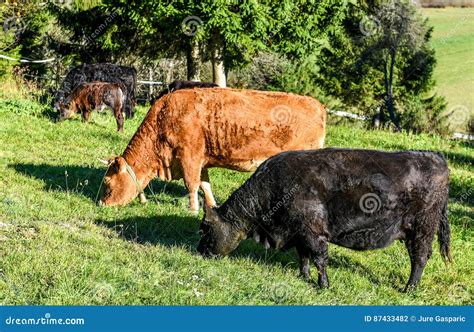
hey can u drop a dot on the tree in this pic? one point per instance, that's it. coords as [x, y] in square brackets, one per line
[401, 30]
[13, 26]
[227, 33]
[381, 59]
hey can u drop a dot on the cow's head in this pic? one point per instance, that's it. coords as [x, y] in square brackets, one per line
[118, 187]
[218, 238]
[65, 108]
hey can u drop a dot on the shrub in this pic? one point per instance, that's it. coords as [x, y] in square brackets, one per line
[263, 73]
[22, 107]
[424, 115]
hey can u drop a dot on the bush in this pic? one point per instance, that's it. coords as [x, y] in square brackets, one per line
[23, 107]
[263, 73]
[424, 115]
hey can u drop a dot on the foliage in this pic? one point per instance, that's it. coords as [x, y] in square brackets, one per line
[424, 115]
[21, 106]
[247, 27]
[270, 71]
[382, 59]
[315, 48]
[261, 74]
[10, 32]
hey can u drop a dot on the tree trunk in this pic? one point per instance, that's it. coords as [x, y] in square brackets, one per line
[169, 73]
[218, 68]
[388, 76]
[193, 61]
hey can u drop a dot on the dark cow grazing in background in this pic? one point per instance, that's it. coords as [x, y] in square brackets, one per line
[359, 199]
[101, 72]
[189, 131]
[98, 95]
[178, 85]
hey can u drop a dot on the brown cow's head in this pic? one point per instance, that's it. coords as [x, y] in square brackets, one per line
[118, 187]
[218, 238]
[66, 109]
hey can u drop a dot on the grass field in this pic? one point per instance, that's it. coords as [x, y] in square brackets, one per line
[453, 40]
[58, 247]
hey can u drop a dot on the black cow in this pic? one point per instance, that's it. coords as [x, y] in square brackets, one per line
[100, 72]
[359, 199]
[178, 85]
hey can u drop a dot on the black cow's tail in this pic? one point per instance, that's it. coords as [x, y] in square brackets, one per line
[444, 233]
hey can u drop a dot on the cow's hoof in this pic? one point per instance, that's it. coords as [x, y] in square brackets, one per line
[323, 283]
[409, 288]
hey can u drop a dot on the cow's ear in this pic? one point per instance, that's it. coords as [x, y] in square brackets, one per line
[210, 214]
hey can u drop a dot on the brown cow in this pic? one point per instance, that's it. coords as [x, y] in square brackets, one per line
[97, 95]
[188, 131]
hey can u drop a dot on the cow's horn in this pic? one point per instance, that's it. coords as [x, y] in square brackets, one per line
[103, 161]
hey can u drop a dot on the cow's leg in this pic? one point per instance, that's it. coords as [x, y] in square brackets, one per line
[319, 253]
[419, 245]
[206, 188]
[86, 114]
[118, 117]
[193, 187]
[304, 254]
[192, 176]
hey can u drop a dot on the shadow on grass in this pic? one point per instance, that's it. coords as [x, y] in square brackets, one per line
[51, 114]
[81, 180]
[170, 188]
[182, 231]
[290, 258]
[459, 159]
[461, 192]
[85, 181]
[169, 230]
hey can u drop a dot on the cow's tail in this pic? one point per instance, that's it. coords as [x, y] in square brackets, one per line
[444, 233]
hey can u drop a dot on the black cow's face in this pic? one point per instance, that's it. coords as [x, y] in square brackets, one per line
[218, 238]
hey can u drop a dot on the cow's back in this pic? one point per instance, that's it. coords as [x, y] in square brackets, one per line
[242, 128]
[368, 197]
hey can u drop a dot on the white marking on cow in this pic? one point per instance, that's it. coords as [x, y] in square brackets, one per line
[321, 142]
[206, 187]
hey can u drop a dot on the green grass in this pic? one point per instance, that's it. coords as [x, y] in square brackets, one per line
[453, 40]
[58, 247]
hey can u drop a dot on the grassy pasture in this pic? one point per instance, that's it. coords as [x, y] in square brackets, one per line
[58, 247]
[453, 40]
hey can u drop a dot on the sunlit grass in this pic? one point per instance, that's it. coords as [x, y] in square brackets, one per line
[58, 247]
[453, 40]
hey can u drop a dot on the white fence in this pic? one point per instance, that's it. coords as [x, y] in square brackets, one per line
[463, 136]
